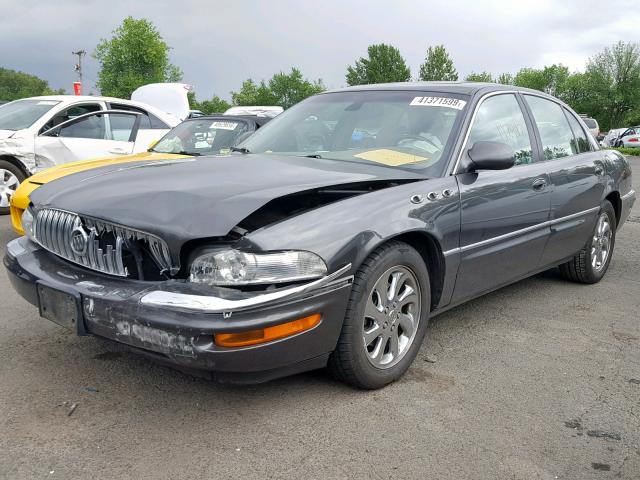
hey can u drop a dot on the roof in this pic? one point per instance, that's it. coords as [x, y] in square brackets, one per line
[464, 88]
[76, 98]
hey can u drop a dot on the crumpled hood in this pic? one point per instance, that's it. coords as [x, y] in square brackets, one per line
[199, 197]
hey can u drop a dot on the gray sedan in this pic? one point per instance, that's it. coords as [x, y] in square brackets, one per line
[331, 236]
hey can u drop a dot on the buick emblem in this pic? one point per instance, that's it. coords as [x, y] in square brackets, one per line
[79, 240]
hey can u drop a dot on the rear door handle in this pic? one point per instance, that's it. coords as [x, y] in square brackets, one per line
[539, 184]
[118, 151]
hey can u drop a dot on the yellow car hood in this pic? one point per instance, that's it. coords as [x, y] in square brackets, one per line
[20, 200]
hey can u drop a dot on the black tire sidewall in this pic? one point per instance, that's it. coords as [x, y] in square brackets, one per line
[400, 255]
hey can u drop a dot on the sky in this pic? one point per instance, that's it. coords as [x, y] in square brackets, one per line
[218, 44]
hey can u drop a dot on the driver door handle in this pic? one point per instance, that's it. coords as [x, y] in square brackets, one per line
[539, 184]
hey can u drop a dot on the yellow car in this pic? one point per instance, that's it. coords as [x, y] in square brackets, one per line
[194, 137]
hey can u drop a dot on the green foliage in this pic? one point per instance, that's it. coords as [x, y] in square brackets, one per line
[479, 77]
[614, 83]
[15, 85]
[505, 79]
[253, 94]
[136, 55]
[213, 105]
[282, 89]
[383, 64]
[289, 89]
[627, 151]
[438, 65]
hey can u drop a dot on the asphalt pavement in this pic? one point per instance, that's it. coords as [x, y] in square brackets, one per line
[540, 379]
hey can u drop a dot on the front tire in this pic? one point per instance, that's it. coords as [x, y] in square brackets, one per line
[591, 263]
[386, 318]
[10, 179]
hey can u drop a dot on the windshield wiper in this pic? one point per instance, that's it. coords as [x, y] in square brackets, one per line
[244, 150]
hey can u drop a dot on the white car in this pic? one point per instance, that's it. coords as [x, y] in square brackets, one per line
[40, 132]
[611, 137]
[630, 138]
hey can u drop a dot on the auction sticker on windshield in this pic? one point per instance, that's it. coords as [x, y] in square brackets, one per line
[224, 125]
[438, 102]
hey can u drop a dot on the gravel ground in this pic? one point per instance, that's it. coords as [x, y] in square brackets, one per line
[538, 380]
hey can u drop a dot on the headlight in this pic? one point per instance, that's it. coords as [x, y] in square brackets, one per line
[27, 223]
[233, 267]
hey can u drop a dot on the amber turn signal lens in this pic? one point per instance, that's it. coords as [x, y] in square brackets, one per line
[268, 334]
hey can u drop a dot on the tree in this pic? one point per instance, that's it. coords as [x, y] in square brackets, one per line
[214, 105]
[613, 79]
[479, 77]
[253, 94]
[383, 64]
[136, 55]
[282, 89]
[15, 85]
[438, 65]
[292, 88]
[550, 79]
[505, 79]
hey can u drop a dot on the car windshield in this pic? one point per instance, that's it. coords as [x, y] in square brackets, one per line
[23, 113]
[401, 129]
[202, 136]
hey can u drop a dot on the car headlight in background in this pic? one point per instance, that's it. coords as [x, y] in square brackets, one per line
[27, 223]
[234, 267]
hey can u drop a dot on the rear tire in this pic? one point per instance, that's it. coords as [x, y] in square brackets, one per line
[389, 306]
[591, 263]
[10, 179]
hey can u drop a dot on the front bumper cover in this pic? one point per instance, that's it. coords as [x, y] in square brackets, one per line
[174, 321]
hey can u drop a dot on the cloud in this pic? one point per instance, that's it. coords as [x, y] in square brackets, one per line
[219, 44]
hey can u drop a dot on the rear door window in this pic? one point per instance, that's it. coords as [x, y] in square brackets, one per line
[148, 122]
[582, 143]
[555, 133]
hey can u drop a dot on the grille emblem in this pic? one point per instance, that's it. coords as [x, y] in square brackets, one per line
[79, 240]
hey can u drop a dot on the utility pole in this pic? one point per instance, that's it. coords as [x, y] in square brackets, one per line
[78, 67]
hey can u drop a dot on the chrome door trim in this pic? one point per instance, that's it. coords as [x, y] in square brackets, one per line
[522, 231]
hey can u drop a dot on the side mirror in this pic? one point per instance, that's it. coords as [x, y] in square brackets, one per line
[490, 156]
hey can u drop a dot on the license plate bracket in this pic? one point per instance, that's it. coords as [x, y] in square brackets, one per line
[60, 307]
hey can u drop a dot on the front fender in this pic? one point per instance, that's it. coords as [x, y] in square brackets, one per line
[347, 231]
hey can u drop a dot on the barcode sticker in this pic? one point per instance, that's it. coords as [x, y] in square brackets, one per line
[438, 102]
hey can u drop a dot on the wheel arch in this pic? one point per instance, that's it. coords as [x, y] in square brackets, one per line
[431, 252]
[17, 163]
[616, 202]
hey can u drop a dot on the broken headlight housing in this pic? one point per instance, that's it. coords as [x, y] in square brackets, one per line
[27, 223]
[235, 268]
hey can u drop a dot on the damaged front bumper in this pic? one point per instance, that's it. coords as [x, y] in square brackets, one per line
[175, 321]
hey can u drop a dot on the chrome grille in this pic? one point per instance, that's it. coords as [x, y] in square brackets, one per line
[94, 243]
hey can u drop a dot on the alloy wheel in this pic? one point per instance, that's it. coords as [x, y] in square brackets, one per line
[601, 244]
[8, 185]
[391, 317]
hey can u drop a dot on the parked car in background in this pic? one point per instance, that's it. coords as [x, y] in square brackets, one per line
[592, 125]
[611, 137]
[41, 132]
[340, 229]
[206, 135]
[629, 138]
